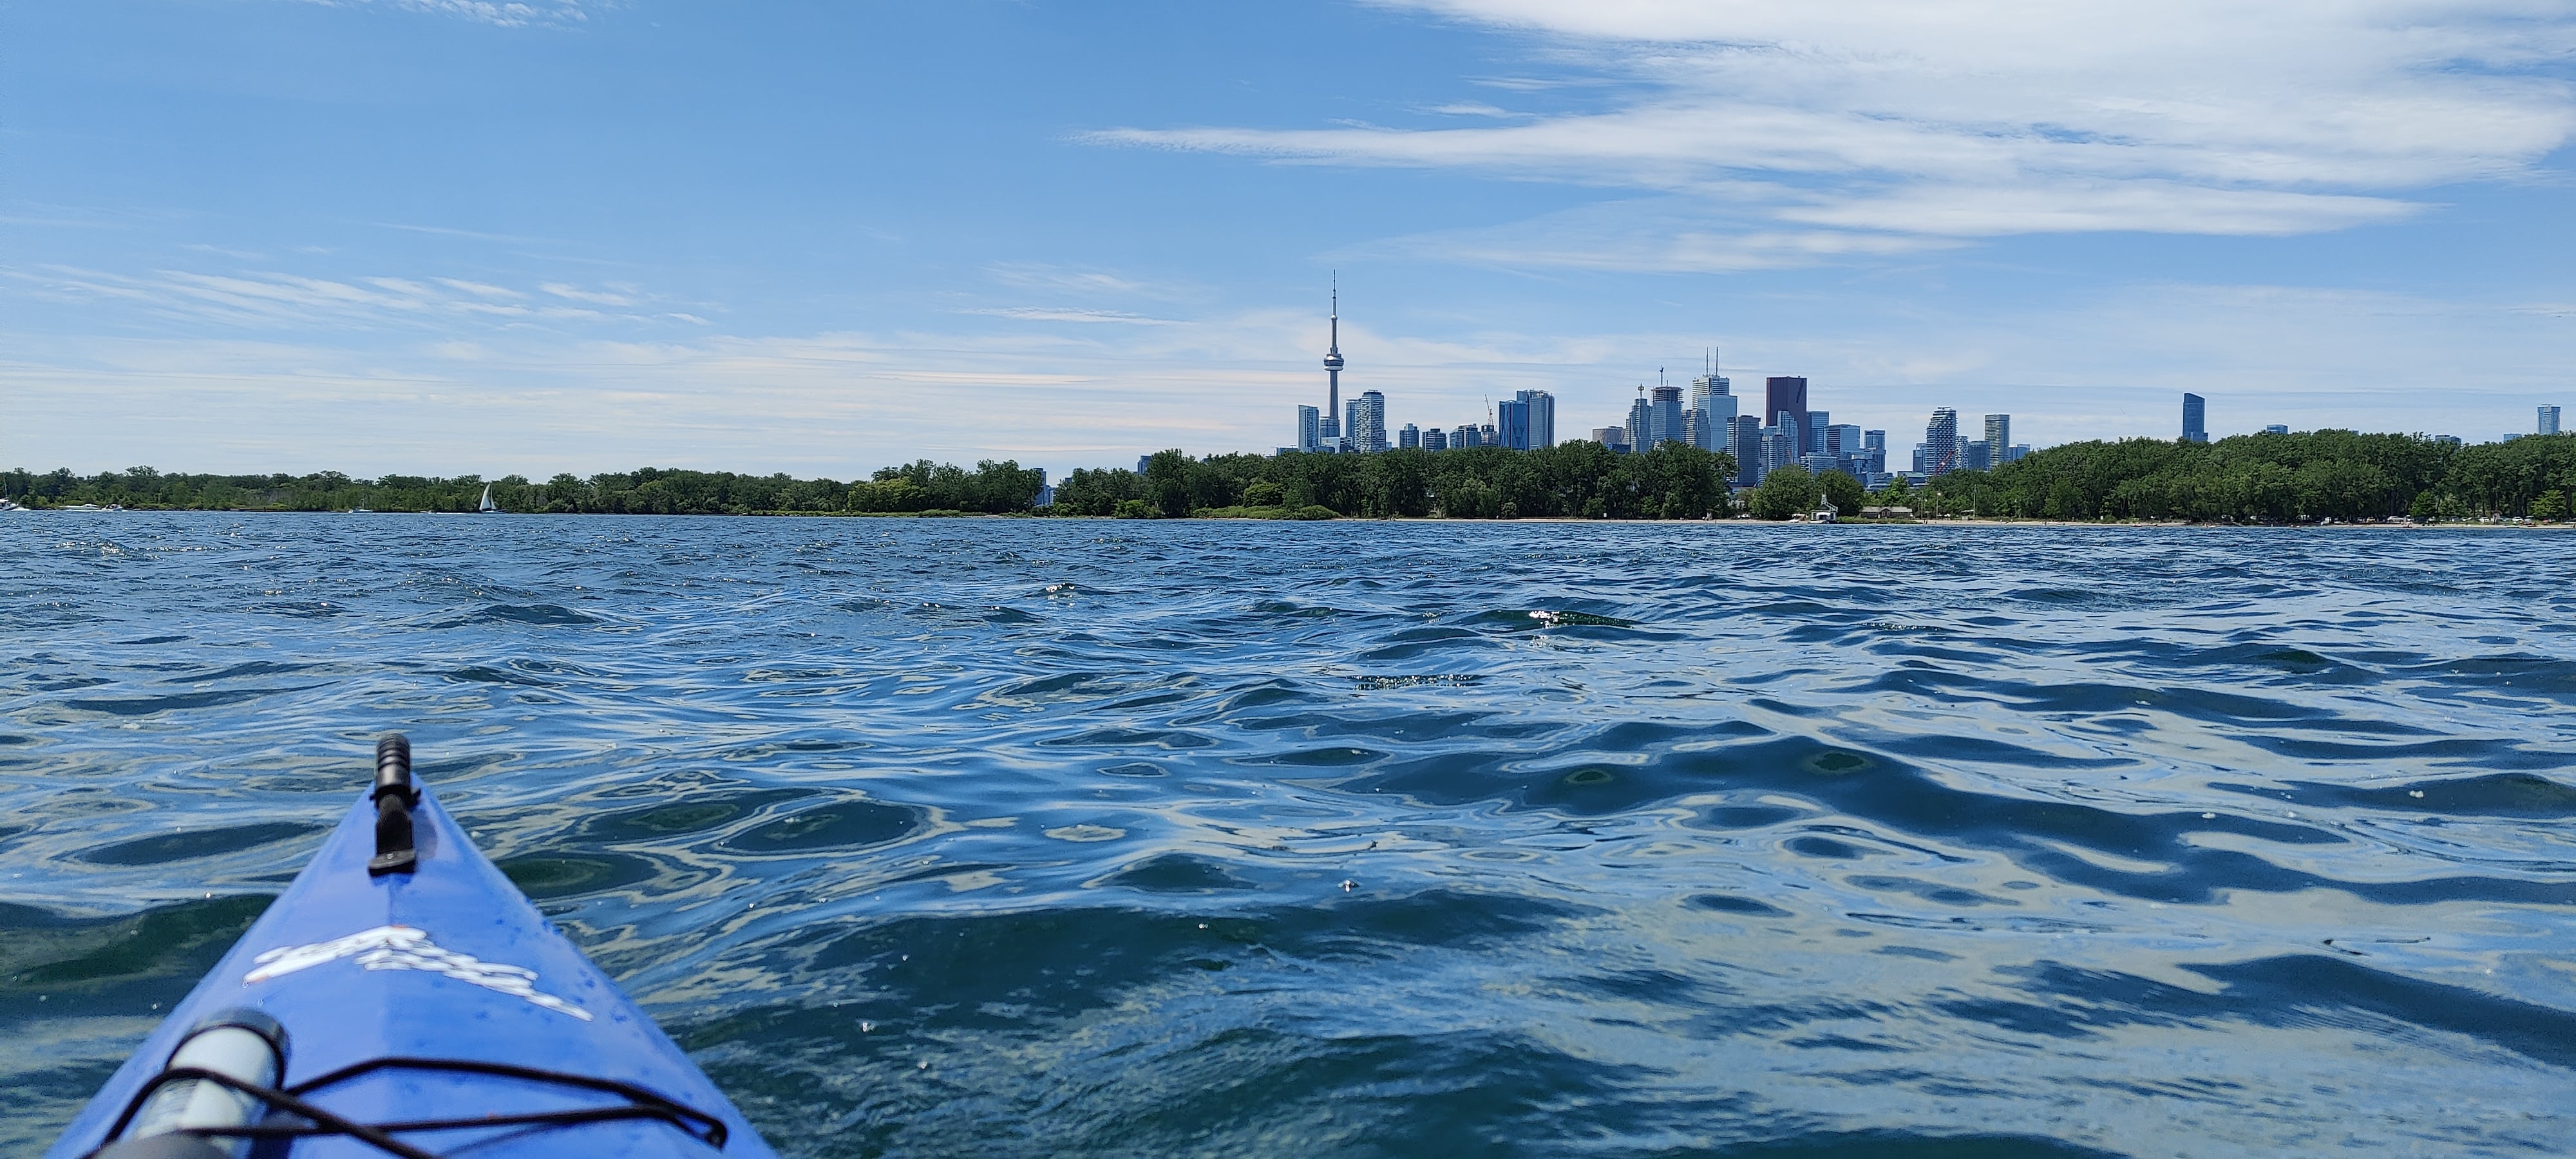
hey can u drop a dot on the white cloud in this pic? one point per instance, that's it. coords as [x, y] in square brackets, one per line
[1034, 275]
[1978, 118]
[595, 297]
[1047, 314]
[268, 300]
[503, 13]
[1067, 393]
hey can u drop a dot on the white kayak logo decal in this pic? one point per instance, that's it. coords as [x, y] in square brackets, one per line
[405, 948]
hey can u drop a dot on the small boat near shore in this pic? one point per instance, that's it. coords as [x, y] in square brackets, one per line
[487, 507]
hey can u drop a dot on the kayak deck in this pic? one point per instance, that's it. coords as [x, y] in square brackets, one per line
[435, 1000]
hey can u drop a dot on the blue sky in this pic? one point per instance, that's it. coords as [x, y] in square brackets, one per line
[449, 236]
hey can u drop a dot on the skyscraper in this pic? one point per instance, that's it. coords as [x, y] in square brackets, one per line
[1784, 394]
[1811, 434]
[1435, 439]
[1713, 395]
[1641, 429]
[1409, 438]
[2195, 419]
[1664, 417]
[1333, 359]
[1998, 440]
[2549, 420]
[1744, 441]
[1542, 416]
[1779, 448]
[1941, 443]
[1310, 431]
[1512, 424]
[1368, 423]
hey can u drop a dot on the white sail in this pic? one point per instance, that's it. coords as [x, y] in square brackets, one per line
[488, 507]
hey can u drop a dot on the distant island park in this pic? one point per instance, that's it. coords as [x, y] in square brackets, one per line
[2269, 478]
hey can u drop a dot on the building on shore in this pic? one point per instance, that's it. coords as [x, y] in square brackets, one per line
[2548, 420]
[1941, 443]
[1542, 416]
[1784, 395]
[2195, 419]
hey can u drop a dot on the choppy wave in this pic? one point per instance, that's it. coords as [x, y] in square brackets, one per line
[1079, 838]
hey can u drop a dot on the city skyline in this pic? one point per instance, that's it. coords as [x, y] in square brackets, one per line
[405, 236]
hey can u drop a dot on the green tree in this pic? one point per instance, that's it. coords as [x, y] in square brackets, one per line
[1786, 492]
[1843, 491]
[1167, 483]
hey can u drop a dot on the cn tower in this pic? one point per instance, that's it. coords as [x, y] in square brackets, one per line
[1333, 361]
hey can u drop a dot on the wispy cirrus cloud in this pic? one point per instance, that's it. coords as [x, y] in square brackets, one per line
[1061, 314]
[270, 300]
[504, 13]
[842, 402]
[1957, 119]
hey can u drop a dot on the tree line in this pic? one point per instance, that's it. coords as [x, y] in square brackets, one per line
[1579, 479]
[992, 488]
[2269, 478]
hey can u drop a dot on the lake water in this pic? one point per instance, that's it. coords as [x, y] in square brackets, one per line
[1018, 837]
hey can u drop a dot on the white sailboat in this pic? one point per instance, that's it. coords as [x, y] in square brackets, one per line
[487, 507]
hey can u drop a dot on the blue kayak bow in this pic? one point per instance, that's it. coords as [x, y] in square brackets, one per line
[403, 998]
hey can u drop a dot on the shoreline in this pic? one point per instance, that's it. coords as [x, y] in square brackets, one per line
[1941, 521]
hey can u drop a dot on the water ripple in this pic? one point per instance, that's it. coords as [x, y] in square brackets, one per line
[1086, 838]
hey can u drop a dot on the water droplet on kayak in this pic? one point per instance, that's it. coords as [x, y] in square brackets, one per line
[867, 1027]
[1349, 885]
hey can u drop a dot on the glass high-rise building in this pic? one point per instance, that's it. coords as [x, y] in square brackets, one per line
[1779, 448]
[1664, 417]
[1542, 416]
[1811, 433]
[1512, 425]
[1310, 428]
[2549, 420]
[2195, 419]
[1435, 439]
[1744, 441]
[1713, 396]
[1998, 438]
[1784, 394]
[1641, 425]
[1409, 438]
[1941, 443]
